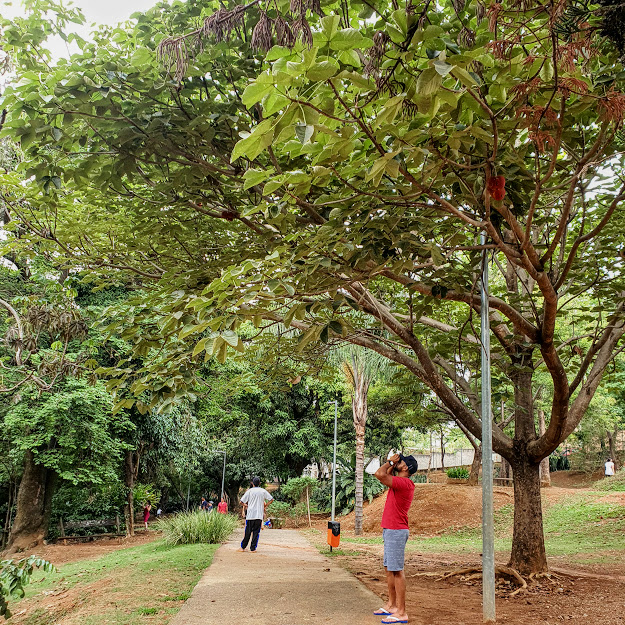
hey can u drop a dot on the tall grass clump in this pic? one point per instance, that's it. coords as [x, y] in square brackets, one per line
[614, 483]
[197, 527]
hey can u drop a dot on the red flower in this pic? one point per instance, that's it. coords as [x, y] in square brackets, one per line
[497, 187]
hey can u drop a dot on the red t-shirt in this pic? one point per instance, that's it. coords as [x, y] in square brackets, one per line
[398, 500]
[222, 507]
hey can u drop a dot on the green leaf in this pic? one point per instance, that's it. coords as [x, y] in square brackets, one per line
[429, 82]
[304, 132]
[322, 71]
[253, 177]
[255, 93]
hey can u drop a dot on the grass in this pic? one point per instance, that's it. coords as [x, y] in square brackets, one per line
[615, 483]
[125, 587]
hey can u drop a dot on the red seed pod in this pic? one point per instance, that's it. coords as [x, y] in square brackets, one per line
[497, 187]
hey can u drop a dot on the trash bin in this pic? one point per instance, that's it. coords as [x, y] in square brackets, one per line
[334, 533]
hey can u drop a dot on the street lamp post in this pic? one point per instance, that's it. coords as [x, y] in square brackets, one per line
[223, 473]
[488, 533]
[336, 407]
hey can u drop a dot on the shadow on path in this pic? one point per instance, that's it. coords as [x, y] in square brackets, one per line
[286, 582]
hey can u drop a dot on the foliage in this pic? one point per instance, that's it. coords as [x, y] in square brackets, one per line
[559, 462]
[295, 489]
[198, 526]
[15, 575]
[346, 488]
[71, 431]
[458, 473]
[338, 189]
[615, 483]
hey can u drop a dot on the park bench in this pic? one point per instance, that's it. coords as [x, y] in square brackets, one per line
[116, 523]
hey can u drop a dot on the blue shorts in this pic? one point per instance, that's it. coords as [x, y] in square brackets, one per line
[394, 548]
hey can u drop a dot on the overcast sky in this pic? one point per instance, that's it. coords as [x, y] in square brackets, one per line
[98, 11]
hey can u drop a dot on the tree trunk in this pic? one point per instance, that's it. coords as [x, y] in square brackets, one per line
[359, 407]
[505, 470]
[442, 452]
[528, 543]
[129, 481]
[545, 474]
[474, 475]
[612, 443]
[34, 506]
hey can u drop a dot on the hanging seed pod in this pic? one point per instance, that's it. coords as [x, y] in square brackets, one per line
[261, 36]
[297, 7]
[466, 37]
[480, 12]
[301, 28]
[458, 5]
[315, 7]
[284, 34]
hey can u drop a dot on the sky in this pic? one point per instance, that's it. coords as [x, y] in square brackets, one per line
[98, 11]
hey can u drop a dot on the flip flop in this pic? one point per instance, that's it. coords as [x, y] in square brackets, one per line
[382, 612]
[390, 620]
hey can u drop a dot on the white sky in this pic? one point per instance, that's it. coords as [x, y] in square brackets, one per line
[95, 11]
[99, 11]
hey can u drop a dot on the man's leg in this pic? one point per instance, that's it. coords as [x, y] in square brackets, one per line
[255, 533]
[391, 604]
[399, 584]
[246, 538]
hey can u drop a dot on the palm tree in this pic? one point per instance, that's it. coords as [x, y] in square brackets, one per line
[361, 367]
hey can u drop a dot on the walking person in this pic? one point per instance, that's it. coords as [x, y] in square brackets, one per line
[609, 468]
[146, 513]
[254, 501]
[222, 506]
[396, 475]
[204, 504]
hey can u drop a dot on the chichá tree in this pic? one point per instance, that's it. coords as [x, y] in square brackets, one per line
[339, 184]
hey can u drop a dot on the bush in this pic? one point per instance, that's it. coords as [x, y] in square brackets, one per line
[15, 575]
[197, 527]
[458, 473]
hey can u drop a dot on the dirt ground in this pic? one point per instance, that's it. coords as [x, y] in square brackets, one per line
[583, 594]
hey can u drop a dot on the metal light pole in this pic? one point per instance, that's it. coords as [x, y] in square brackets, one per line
[223, 473]
[336, 408]
[488, 531]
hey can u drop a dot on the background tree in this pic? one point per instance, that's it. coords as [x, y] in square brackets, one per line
[378, 151]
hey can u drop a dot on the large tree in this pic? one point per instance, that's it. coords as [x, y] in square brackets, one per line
[372, 154]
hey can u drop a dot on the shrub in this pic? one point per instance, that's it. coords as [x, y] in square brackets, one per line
[295, 488]
[458, 473]
[197, 527]
[15, 575]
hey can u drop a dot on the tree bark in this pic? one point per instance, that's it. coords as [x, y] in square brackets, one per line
[474, 475]
[129, 482]
[545, 473]
[34, 506]
[528, 545]
[612, 444]
[442, 451]
[359, 408]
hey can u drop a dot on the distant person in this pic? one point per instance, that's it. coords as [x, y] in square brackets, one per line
[159, 512]
[204, 504]
[254, 501]
[396, 475]
[609, 468]
[146, 513]
[211, 506]
[222, 506]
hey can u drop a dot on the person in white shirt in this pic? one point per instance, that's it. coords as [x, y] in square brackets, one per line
[254, 501]
[609, 468]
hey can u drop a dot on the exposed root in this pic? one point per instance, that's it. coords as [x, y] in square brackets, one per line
[473, 572]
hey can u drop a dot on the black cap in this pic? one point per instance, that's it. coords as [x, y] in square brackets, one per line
[411, 463]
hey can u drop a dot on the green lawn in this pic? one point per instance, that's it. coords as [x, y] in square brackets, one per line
[137, 585]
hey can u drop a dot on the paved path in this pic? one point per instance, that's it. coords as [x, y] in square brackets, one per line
[286, 582]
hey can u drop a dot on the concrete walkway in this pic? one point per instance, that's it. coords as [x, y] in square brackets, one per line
[286, 582]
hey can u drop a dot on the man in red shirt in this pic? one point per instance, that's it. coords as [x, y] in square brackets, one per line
[396, 475]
